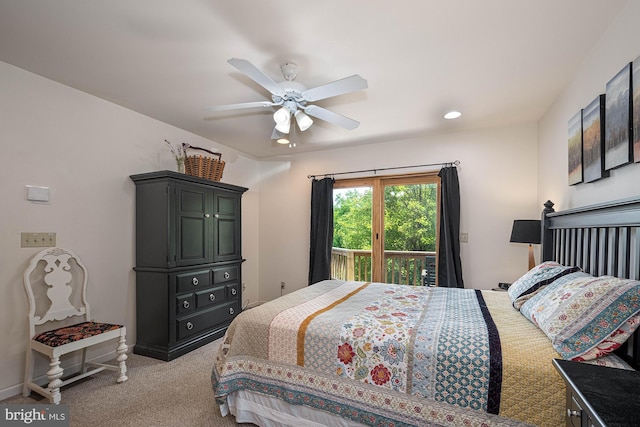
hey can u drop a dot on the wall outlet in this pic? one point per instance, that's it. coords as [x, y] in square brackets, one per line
[33, 240]
[281, 285]
[244, 286]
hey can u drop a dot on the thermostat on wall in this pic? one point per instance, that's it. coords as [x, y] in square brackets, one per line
[37, 194]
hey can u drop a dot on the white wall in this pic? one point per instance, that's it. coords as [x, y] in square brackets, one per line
[497, 184]
[617, 47]
[84, 149]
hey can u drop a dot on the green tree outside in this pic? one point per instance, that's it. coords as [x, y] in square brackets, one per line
[352, 219]
[409, 218]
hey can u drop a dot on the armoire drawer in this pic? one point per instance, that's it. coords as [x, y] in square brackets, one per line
[210, 297]
[193, 280]
[204, 320]
[185, 303]
[232, 291]
[226, 274]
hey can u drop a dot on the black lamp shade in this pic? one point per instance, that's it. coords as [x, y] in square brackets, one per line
[526, 231]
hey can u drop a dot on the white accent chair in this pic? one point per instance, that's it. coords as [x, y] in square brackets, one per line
[60, 322]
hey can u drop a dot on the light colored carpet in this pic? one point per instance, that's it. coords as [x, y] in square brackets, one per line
[176, 393]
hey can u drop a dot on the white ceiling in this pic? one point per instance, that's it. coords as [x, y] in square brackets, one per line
[500, 62]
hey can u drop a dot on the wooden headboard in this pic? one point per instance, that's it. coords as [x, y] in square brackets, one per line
[602, 239]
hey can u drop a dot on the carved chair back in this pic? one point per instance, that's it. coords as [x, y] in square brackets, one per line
[56, 286]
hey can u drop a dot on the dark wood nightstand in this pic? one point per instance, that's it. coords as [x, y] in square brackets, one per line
[599, 396]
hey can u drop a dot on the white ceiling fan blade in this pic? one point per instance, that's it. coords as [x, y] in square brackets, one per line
[339, 87]
[257, 76]
[331, 117]
[241, 106]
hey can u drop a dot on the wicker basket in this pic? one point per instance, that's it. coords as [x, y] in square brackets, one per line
[204, 167]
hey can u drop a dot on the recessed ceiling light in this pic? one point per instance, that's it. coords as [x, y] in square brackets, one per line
[452, 115]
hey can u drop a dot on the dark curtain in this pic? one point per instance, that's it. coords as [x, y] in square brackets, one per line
[321, 230]
[449, 265]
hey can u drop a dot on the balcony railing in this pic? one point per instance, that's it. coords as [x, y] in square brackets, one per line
[402, 267]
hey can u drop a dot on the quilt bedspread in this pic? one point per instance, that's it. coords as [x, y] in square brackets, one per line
[392, 355]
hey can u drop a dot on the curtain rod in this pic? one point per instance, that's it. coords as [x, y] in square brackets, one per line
[456, 163]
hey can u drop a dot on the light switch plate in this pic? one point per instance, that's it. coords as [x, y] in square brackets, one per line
[37, 194]
[34, 240]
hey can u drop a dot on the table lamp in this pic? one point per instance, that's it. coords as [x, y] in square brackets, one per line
[526, 231]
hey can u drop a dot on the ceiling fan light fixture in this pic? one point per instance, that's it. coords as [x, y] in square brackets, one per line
[282, 140]
[283, 128]
[282, 116]
[452, 115]
[304, 121]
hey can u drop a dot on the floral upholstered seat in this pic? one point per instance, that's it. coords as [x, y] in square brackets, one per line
[73, 333]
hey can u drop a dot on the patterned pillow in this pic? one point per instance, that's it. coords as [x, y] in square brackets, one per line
[586, 317]
[532, 306]
[539, 276]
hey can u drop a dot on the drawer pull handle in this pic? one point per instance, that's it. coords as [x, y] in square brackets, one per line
[185, 304]
[226, 275]
[571, 413]
[231, 311]
[234, 291]
[212, 297]
[189, 326]
[195, 281]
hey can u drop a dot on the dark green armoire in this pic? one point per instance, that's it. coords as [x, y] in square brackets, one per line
[188, 262]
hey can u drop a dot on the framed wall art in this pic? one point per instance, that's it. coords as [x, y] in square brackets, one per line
[593, 140]
[575, 149]
[617, 138]
[635, 102]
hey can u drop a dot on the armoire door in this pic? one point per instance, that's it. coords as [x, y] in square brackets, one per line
[226, 241]
[193, 225]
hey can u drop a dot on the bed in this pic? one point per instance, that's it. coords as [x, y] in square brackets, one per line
[354, 353]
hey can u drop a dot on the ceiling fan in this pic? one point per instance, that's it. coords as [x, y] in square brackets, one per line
[293, 98]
